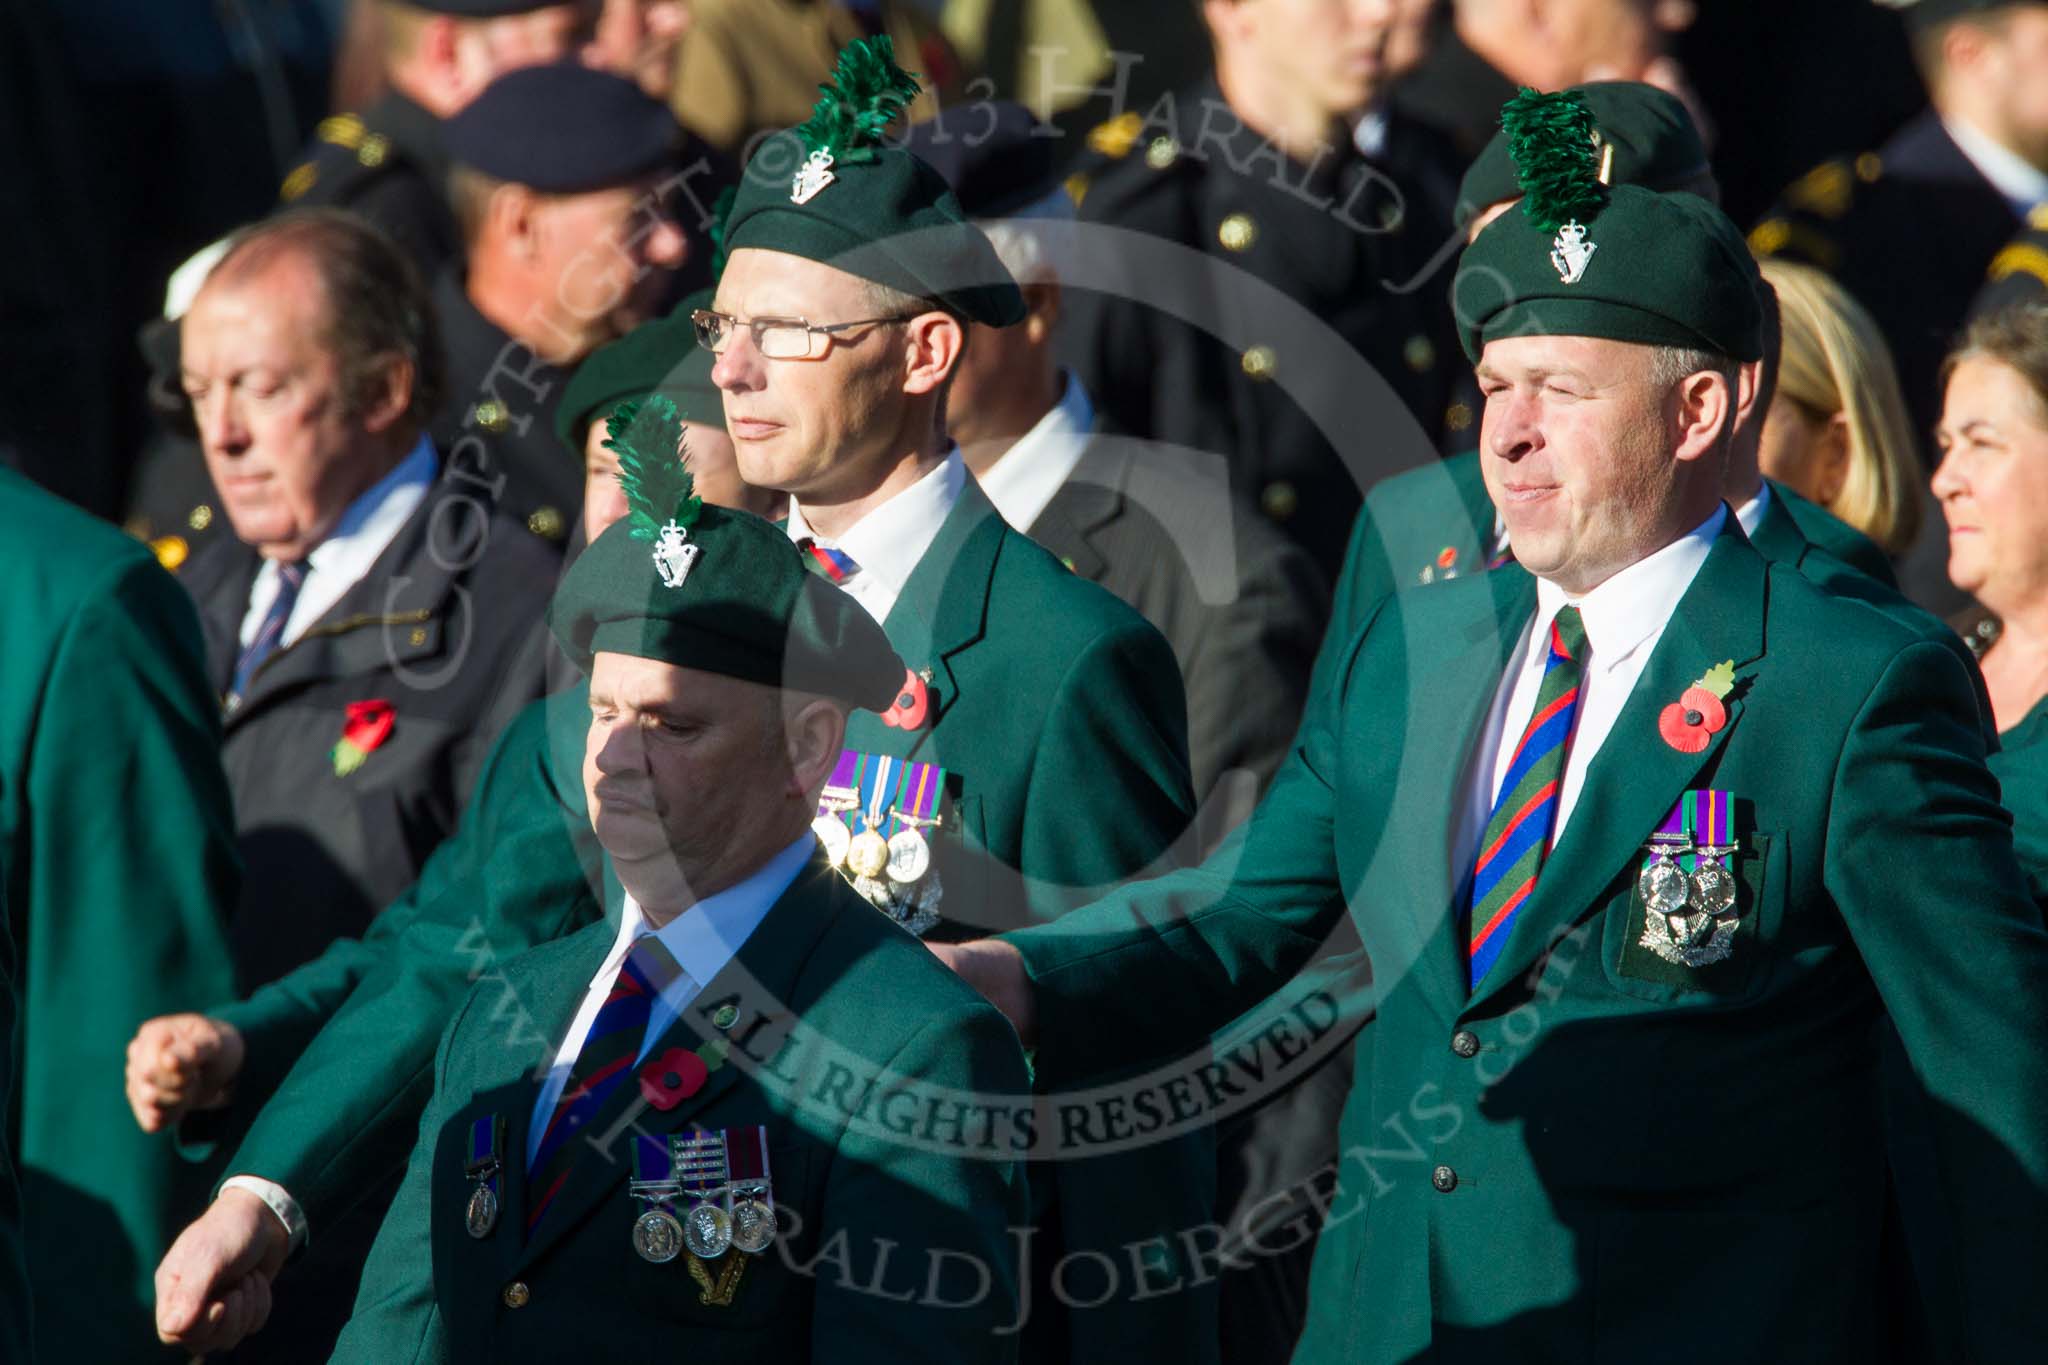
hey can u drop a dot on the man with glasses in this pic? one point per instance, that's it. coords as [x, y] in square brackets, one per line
[1046, 715]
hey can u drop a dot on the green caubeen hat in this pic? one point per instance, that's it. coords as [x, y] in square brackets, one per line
[699, 586]
[660, 357]
[1581, 258]
[830, 190]
[1641, 136]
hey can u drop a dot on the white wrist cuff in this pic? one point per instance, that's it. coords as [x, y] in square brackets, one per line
[277, 1200]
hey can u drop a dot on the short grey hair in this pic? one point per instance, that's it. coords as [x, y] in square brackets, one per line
[1669, 364]
[1026, 249]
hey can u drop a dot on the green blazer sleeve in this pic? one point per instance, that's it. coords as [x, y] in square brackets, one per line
[1918, 825]
[518, 872]
[126, 867]
[1109, 789]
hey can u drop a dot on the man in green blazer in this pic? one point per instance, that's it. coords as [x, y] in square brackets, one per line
[118, 857]
[635, 1147]
[1642, 835]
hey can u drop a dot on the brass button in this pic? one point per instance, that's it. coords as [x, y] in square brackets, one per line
[1458, 416]
[491, 415]
[545, 522]
[1443, 1177]
[418, 636]
[1279, 500]
[201, 518]
[516, 1294]
[1238, 232]
[372, 152]
[1260, 362]
[1420, 353]
[1161, 153]
[1465, 1043]
[1869, 167]
[171, 551]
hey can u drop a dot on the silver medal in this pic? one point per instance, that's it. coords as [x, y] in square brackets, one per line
[834, 836]
[482, 1214]
[1713, 889]
[910, 857]
[1663, 887]
[753, 1225]
[657, 1236]
[707, 1232]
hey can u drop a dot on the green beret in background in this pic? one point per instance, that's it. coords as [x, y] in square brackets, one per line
[829, 190]
[1580, 258]
[699, 586]
[656, 357]
[1641, 135]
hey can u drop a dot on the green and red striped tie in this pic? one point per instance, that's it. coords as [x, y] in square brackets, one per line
[1525, 813]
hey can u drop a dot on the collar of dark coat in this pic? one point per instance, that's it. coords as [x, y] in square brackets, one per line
[1636, 778]
[414, 131]
[394, 618]
[1777, 536]
[759, 984]
[943, 607]
[1090, 499]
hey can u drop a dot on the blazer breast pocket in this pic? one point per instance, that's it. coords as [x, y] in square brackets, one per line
[1668, 952]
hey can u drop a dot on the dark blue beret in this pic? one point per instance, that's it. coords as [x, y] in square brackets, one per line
[481, 9]
[992, 155]
[564, 129]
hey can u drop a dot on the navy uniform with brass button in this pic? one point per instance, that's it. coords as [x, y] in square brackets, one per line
[559, 131]
[1330, 237]
[2019, 272]
[389, 164]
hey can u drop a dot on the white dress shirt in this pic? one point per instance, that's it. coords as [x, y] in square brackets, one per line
[1624, 618]
[340, 561]
[702, 940]
[887, 543]
[1023, 481]
[2023, 184]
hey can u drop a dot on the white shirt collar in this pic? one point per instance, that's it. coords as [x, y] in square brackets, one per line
[1022, 481]
[704, 938]
[2021, 182]
[1751, 514]
[889, 541]
[366, 529]
[1634, 605]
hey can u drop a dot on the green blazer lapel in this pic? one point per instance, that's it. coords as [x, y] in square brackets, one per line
[1448, 706]
[752, 993]
[1777, 537]
[943, 608]
[1637, 777]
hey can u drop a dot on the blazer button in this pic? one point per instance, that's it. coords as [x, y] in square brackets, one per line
[1465, 1043]
[1443, 1177]
[516, 1294]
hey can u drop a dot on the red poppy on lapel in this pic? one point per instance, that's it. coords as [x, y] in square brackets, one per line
[666, 1081]
[368, 724]
[1700, 711]
[913, 700]
[1447, 558]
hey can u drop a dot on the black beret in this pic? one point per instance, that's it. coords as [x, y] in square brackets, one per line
[564, 129]
[992, 155]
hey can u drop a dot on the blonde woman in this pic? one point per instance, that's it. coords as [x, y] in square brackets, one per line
[1836, 431]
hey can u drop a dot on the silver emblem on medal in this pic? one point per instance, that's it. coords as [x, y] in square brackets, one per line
[753, 1224]
[482, 1214]
[910, 857]
[707, 1231]
[657, 1236]
[1662, 884]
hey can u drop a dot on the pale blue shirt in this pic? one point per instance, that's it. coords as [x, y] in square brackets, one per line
[702, 940]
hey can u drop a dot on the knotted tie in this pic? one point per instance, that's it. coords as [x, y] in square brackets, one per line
[604, 1064]
[290, 578]
[836, 565]
[1525, 813]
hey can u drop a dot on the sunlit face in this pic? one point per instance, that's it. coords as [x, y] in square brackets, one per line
[1993, 483]
[637, 39]
[488, 49]
[713, 470]
[1331, 51]
[2016, 70]
[285, 454]
[606, 259]
[809, 428]
[1577, 455]
[685, 772]
[1806, 452]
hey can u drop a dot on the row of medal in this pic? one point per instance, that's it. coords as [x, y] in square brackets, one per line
[1685, 884]
[720, 1181]
[872, 821]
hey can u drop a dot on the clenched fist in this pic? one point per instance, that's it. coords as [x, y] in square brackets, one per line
[213, 1288]
[178, 1063]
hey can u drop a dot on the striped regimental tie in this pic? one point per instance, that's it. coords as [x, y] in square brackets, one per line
[1525, 813]
[836, 565]
[290, 578]
[602, 1067]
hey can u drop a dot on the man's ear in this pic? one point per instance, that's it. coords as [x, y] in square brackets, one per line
[386, 393]
[935, 343]
[816, 733]
[1749, 382]
[1706, 414]
[1042, 303]
[514, 218]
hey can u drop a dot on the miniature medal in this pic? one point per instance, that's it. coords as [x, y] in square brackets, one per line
[753, 1225]
[753, 1199]
[707, 1231]
[1662, 883]
[657, 1236]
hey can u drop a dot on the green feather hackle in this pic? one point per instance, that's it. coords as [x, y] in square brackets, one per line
[721, 214]
[866, 94]
[647, 436]
[1550, 139]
